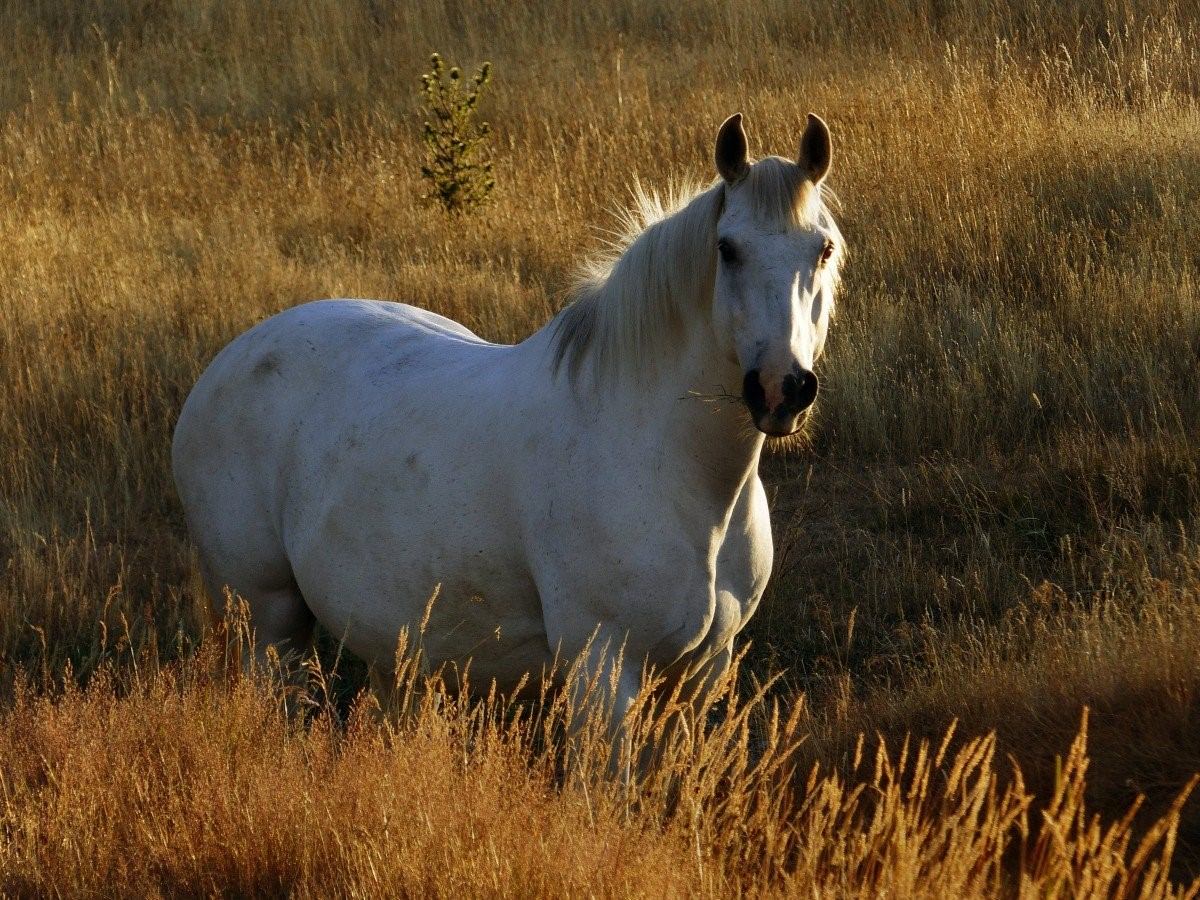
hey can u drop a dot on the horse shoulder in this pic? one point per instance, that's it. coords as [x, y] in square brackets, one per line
[657, 591]
[743, 565]
[619, 551]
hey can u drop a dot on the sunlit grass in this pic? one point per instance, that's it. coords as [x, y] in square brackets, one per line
[178, 780]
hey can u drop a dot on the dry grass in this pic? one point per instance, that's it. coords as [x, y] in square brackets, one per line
[179, 784]
[998, 520]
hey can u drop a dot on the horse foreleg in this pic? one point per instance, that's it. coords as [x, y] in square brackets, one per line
[703, 684]
[604, 689]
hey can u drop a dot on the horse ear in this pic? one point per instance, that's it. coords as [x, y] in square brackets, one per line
[733, 156]
[816, 150]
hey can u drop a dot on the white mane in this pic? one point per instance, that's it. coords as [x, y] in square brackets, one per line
[634, 297]
[630, 303]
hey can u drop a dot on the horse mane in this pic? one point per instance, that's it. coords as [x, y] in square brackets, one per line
[631, 301]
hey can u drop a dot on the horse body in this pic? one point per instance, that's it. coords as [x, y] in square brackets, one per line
[345, 458]
[578, 491]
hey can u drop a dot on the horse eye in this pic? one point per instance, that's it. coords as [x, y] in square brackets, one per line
[826, 252]
[728, 253]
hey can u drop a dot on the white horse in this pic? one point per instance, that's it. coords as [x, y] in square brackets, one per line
[587, 489]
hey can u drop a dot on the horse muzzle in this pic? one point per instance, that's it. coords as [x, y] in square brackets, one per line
[779, 410]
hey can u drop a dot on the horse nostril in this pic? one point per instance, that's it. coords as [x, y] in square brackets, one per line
[753, 393]
[800, 389]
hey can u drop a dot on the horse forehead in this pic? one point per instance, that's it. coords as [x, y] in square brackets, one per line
[752, 227]
[743, 216]
[739, 211]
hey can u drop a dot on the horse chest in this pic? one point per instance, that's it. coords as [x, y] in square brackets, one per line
[744, 565]
[707, 619]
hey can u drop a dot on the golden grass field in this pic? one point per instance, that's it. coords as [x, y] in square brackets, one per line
[995, 523]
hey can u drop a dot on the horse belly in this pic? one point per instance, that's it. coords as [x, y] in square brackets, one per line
[425, 544]
[459, 593]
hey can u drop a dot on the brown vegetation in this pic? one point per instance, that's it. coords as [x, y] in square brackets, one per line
[998, 520]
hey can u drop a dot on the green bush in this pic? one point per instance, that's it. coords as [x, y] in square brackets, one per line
[456, 144]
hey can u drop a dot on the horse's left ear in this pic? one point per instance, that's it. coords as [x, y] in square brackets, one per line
[816, 149]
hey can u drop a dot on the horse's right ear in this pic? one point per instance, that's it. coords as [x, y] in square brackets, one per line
[733, 153]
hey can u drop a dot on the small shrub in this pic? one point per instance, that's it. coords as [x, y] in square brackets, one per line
[456, 144]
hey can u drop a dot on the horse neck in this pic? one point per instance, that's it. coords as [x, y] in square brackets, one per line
[677, 394]
[696, 399]
[688, 404]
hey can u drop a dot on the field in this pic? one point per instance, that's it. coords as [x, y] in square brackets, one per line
[994, 525]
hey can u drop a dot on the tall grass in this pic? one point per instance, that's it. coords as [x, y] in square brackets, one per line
[998, 520]
[172, 783]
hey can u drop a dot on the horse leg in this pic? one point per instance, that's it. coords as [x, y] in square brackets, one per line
[700, 687]
[278, 616]
[281, 620]
[396, 695]
[383, 689]
[604, 685]
[698, 692]
[683, 723]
